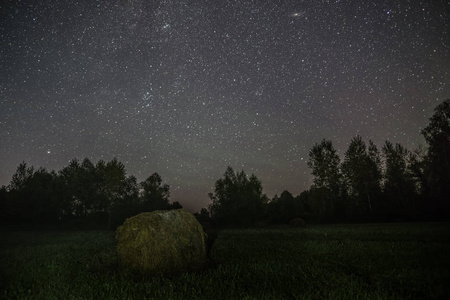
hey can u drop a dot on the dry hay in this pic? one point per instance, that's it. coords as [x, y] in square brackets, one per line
[161, 242]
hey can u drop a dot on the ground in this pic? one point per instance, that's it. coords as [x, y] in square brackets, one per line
[328, 261]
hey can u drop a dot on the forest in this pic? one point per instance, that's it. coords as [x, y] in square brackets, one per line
[368, 185]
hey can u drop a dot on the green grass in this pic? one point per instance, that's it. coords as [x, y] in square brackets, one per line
[319, 262]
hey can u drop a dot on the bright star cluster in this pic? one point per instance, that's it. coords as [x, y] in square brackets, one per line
[187, 87]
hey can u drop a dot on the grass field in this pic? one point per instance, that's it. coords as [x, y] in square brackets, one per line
[373, 261]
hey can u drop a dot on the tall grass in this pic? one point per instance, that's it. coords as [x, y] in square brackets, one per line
[334, 262]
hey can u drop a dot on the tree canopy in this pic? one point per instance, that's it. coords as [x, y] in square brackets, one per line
[361, 170]
[101, 193]
[237, 199]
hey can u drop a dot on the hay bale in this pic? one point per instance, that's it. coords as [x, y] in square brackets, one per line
[297, 222]
[161, 242]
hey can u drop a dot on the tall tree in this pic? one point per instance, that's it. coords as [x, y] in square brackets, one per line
[110, 183]
[155, 195]
[91, 190]
[237, 200]
[88, 188]
[328, 186]
[69, 177]
[44, 204]
[225, 204]
[437, 136]
[362, 173]
[399, 184]
[32, 196]
[18, 205]
[21, 177]
[127, 205]
[375, 178]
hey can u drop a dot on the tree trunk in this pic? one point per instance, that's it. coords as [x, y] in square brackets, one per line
[370, 204]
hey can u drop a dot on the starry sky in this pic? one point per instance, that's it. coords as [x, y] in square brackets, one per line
[185, 88]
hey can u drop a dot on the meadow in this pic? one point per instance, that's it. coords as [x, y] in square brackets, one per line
[369, 261]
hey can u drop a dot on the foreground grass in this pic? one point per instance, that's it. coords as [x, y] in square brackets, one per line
[333, 262]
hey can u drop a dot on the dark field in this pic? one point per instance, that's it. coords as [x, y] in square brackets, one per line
[324, 262]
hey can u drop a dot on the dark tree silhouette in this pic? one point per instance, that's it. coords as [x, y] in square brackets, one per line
[203, 218]
[155, 194]
[127, 205]
[437, 136]
[114, 190]
[237, 200]
[175, 205]
[18, 206]
[81, 193]
[399, 184]
[32, 196]
[362, 174]
[41, 195]
[304, 200]
[327, 189]
[284, 208]
[88, 183]
[21, 177]
[80, 182]
[100, 192]
[69, 177]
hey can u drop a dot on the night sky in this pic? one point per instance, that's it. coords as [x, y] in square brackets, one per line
[185, 88]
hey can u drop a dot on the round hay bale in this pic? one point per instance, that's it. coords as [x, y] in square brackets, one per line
[297, 222]
[161, 242]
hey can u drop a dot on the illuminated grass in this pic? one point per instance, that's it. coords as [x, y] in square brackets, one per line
[333, 261]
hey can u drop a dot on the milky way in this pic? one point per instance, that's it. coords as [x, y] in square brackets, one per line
[186, 88]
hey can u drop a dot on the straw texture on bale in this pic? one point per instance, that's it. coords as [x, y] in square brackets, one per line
[161, 242]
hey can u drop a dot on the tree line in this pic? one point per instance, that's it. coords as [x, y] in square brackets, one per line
[81, 193]
[369, 184]
[391, 184]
